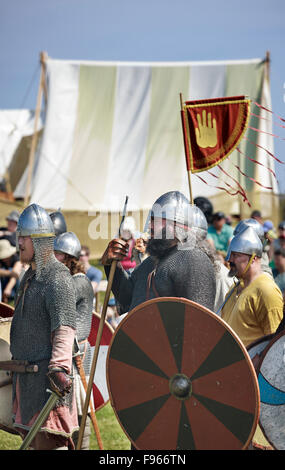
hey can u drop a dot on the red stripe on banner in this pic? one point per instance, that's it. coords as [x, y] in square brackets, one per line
[263, 148]
[258, 163]
[264, 132]
[242, 191]
[216, 187]
[249, 177]
[224, 189]
[237, 191]
[268, 110]
[266, 119]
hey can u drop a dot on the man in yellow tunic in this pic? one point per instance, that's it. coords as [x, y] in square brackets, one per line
[254, 307]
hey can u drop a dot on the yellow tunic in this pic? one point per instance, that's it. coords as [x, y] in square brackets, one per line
[255, 312]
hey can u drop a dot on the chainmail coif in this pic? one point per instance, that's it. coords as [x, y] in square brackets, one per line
[45, 301]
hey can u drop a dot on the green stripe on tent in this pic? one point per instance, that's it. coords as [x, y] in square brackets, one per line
[165, 139]
[245, 79]
[93, 131]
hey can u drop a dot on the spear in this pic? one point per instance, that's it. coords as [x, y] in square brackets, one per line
[98, 340]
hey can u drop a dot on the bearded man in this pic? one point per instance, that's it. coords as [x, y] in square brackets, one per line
[175, 267]
[255, 306]
[42, 333]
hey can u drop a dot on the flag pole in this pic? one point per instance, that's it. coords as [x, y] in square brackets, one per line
[42, 87]
[185, 149]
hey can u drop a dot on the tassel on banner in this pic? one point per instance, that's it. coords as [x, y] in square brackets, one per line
[264, 132]
[266, 119]
[249, 177]
[258, 163]
[263, 148]
[242, 191]
[218, 187]
[236, 192]
[268, 110]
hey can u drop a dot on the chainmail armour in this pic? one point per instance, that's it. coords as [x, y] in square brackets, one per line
[45, 301]
[84, 307]
[186, 273]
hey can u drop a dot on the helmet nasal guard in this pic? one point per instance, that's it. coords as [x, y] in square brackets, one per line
[246, 242]
[35, 223]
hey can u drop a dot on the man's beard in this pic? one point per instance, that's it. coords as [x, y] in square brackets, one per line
[160, 247]
[233, 270]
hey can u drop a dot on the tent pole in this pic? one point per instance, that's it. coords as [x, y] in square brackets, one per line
[42, 87]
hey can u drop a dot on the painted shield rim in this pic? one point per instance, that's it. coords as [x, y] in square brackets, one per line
[275, 338]
[219, 320]
[7, 309]
[98, 316]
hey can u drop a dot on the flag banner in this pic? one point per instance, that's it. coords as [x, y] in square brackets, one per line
[213, 129]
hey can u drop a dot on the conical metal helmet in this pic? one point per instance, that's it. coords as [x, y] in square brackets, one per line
[35, 222]
[250, 223]
[174, 206]
[58, 221]
[246, 241]
[199, 220]
[68, 243]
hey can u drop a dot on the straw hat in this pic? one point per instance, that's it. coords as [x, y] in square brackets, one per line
[6, 249]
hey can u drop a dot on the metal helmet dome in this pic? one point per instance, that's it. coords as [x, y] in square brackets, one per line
[174, 206]
[246, 241]
[199, 220]
[68, 243]
[250, 223]
[35, 222]
[58, 221]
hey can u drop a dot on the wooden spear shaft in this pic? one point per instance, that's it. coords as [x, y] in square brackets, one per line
[185, 149]
[98, 340]
[80, 367]
[96, 352]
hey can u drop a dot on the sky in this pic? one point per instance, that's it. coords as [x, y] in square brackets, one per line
[145, 30]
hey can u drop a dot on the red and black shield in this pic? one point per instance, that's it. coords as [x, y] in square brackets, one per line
[179, 378]
[6, 311]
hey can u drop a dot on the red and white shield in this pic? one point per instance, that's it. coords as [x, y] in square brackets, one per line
[100, 389]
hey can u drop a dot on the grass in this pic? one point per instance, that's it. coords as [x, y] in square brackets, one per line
[112, 435]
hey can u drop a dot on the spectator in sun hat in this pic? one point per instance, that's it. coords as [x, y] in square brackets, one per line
[269, 234]
[10, 270]
[220, 233]
[9, 232]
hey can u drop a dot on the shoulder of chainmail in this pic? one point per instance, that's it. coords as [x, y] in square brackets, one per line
[83, 286]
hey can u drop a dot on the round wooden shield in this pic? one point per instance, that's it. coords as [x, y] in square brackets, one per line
[6, 311]
[271, 380]
[256, 348]
[99, 389]
[180, 378]
[6, 422]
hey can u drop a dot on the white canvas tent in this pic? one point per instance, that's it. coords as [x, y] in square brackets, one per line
[114, 129]
[16, 132]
